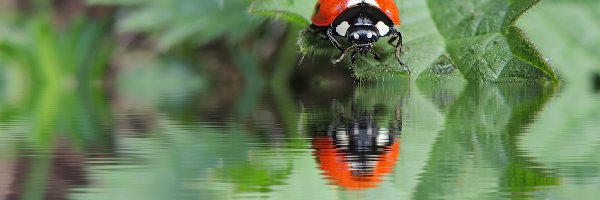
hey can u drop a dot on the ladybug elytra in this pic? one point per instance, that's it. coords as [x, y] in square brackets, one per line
[361, 22]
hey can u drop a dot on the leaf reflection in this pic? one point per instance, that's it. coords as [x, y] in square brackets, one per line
[477, 153]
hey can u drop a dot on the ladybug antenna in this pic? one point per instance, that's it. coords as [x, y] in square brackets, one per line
[301, 59]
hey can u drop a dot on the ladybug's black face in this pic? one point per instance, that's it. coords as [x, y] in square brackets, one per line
[359, 22]
[362, 25]
[361, 35]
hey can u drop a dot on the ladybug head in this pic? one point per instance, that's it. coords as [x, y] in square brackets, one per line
[362, 35]
[362, 38]
[362, 31]
[362, 24]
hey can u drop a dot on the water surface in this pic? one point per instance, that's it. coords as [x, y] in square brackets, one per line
[386, 140]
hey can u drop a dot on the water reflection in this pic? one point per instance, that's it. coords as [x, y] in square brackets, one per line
[43, 176]
[355, 150]
[476, 154]
[469, 142]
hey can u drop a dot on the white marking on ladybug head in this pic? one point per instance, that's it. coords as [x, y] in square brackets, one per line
[370, 2]
[362, 21]
[383, 28]
[356, 36]
[369, 35]
[342, 29]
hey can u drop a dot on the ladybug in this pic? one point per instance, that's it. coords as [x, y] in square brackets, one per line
[361, 22]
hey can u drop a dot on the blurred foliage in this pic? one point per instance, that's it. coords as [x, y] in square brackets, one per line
[293, 11]
[173, 134]
[12, 93]
[566, 137]
[227, 40]
[80, 51]
[80, 115]
[184, 22]
[57, 71]
[178, 80]
[481, 39]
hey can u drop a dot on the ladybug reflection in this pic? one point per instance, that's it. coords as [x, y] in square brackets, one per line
[356, 152]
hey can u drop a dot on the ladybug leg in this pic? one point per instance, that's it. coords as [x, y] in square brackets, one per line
[375, 54]
[353, 57]
[396, 35]
[334, 41]
[392, 40]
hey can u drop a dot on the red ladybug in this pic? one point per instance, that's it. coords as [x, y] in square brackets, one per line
[361, 22]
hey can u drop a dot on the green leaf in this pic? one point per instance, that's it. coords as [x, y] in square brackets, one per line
[568, 33]
[484, 43]
[479, 37]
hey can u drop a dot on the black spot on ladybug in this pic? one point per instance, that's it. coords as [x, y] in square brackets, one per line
[317, 8]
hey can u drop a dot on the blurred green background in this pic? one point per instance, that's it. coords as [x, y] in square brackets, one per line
[201, 99]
